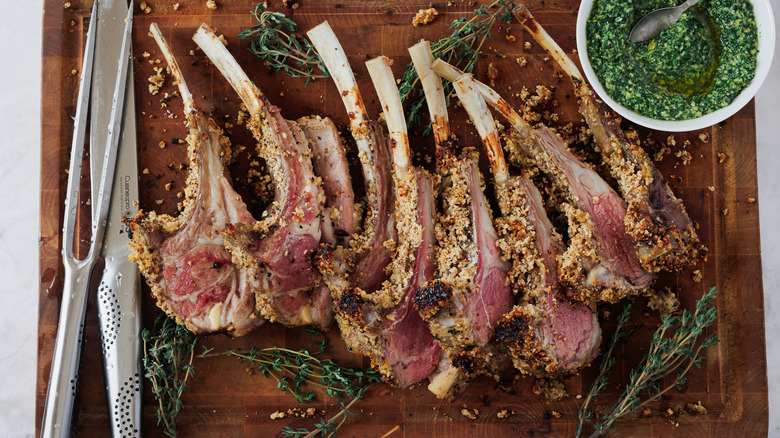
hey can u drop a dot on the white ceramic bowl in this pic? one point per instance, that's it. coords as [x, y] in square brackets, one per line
[766, 48]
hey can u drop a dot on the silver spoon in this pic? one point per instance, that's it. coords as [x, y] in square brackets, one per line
[652, 24]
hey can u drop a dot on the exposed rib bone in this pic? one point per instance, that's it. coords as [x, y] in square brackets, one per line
[663, 233]
[475, 106]
[186, 96]
[422, 57]
[386, 89]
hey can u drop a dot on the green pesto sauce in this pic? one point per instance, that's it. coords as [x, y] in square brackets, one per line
[696, 66]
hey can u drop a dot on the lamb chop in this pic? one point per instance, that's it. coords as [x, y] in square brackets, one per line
[183, 258]
[664, 235]
[470, 293]
[380, 322]
[600, 263]
[545, 335]
[362, 263]
[330, 164]
[278, 250]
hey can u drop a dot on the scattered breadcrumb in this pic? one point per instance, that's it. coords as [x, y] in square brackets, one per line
[424, 16]
[492, 74]
[471, 414]
[556, 414]
[159, 201]
[66, 5]
[156, 80]
[527, 45]
[553, 390]
[704, 137]
[696, 408]
[521, 61]
[168, 187]
[294, 412]
[658, 156]
[176, 6]
[671, 141]
[697, 276]
[511, 38]
[292, 4]
[725, 211]
[505, 413]
[722, 157]
[145, 171]
[74, 72]
[646, 412]
[751, 200]
[211, 4]
[684, 155]
[663, 302]
[223, 40]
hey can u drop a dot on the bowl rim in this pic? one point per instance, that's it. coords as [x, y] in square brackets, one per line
[766, 47]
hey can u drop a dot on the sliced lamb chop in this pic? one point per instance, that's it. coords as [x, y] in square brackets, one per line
[545, 335]
[600, 263]
[278, 251]
[362, 264]
[470, 293]
[375, 316]
[664, 235]
[330, 164]
[184, 258]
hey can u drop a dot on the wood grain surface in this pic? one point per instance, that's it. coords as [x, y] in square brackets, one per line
[225, 400]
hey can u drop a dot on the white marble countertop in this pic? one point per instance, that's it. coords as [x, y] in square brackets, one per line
[20, 42]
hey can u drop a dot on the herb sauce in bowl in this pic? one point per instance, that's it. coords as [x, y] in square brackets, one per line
[696, 66]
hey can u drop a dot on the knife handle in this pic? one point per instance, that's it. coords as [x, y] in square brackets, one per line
[63, 378]
[119, 312]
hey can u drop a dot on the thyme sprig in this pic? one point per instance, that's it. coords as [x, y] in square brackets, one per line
[461, 49]
[169, 350]
[606, 366]
[295, 370]
[283, 50]
[676, 347]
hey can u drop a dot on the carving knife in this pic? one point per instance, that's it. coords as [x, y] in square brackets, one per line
[118, 294]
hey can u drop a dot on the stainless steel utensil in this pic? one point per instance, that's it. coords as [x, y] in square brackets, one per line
[652, 24]
[63, 378]
[118, 299]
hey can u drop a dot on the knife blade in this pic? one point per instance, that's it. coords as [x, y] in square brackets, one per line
[118, 294]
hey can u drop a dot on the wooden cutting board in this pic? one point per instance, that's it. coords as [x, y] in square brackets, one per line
[225, 400]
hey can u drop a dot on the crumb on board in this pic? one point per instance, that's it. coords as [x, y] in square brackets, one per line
[725, 211]
[695, 408]
[722, 157]
[521, 61]
[470, 413]
[552, 389]
[145, 8]
[704, 137]
[711, 188]
[74, 72]
[751, 200]
[696, 276]
[223, 40]
[685, 156]
[492, 73]
[66, 5]
[505, 413]
[671, 141]
[663, 302]
[527, 45]
[211, 4]
[176, 6]
[156, 80]
[424, 16]
[511, 38]
[292, 4]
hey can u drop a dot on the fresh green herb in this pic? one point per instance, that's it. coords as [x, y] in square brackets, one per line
[294, 371]
[606, 366]
[283, 50]
[169, 349]
[675, 348]
[461, 49]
